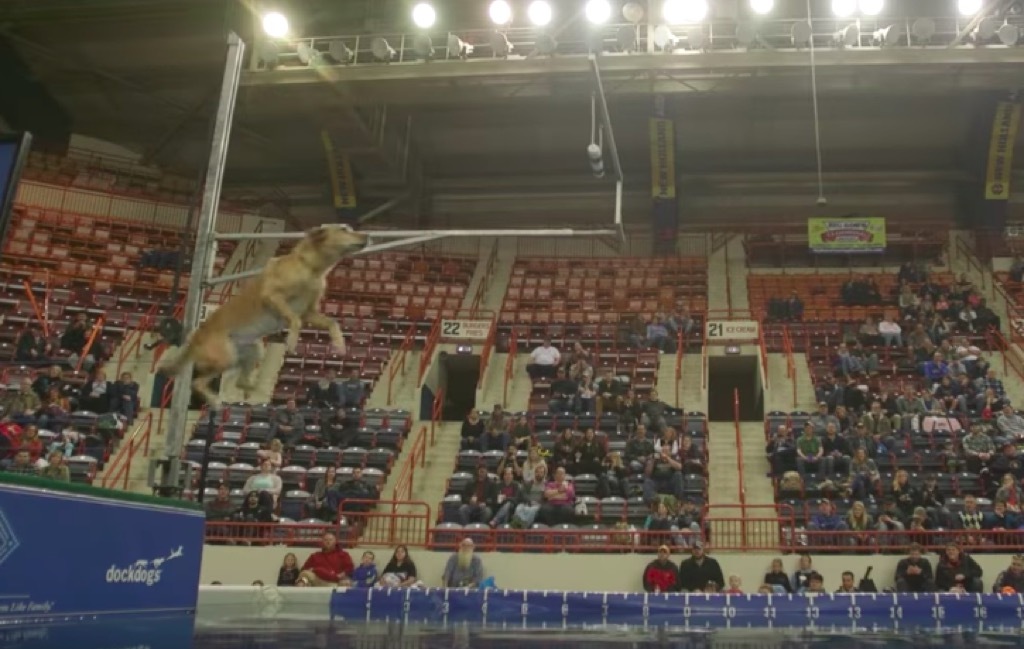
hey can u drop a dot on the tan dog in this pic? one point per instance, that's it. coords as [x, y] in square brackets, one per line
[285, 295]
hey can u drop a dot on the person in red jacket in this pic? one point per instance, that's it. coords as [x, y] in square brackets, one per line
[331, 566]
[661, 575]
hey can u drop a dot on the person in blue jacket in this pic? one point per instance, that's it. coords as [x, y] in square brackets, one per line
[365, 574]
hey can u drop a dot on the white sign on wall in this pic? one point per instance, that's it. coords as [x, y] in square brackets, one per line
[732, 330]
[206, 310]
[466, 329]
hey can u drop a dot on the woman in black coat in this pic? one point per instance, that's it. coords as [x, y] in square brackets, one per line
[958, 569]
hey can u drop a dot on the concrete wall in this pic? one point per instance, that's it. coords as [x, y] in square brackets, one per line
[560, 571]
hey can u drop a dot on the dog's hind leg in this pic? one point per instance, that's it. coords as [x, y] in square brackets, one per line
[213, 358]
[249, 357]
[318, 320]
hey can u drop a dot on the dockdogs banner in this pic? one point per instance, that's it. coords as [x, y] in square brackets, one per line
[1000, 151]
[846, 235]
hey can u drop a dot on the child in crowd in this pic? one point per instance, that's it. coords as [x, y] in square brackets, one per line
[365, 574]
[288, 573]
[735, 586]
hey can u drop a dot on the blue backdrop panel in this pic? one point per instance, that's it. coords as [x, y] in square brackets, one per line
[70, 553]
[550, 608]
[159, 633]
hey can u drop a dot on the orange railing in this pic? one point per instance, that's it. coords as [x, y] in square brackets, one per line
[397, 365]
[1011, 355]
[165, 400]
[41, 314]
[428, 349]
[680, 351]
[510, 366]
[97, 327]
[739, 450]
[728, 279]
[407, 474]
[552, 540]
[704, 365]
[787, 347]
[132, 343]
[485, 281]
[436, 410]
[763, 350]
[487, 351]
[120, 466]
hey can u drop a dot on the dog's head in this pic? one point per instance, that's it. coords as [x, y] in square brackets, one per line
[333, 241]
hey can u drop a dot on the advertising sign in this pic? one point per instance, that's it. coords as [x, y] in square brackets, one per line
[846, 235]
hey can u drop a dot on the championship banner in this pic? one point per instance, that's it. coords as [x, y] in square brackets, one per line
[663, 159]
[339, 167]
[1000, 151]
[846, 235]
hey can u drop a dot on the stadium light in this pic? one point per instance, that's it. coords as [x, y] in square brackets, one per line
[275, 25]
[800, 34]
[968, 7]
[539, 13]
[500, 12]
[633, 12]
[1009, 35]
[664, 39]
[871, 7]
[458, 48]
[598, 11]
[681, 12]
[382, 50]
[762, 7]
[844, 8]
[846, 37]
[423, 15]
[424, 46]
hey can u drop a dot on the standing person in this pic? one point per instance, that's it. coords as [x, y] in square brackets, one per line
[661, 575]
[464, 569]
[330, 566]
[696, 572]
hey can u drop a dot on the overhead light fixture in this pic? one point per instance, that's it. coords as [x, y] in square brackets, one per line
[1009, 35]
[424, 46]
[746, 34]
[885, 36]
[844, 8]
[923, 30]
[800, 34]
[539, 13]
[546, 45]
[846, 37]
[382, 50]
[633, 12]
[871, 7]
[423, 15]
[664, 39]
[275, 25]
[500, 45]
[626, 38]
[968, 7]
[681, 12]
[598, 11]
[695, 38]
[762, 7]
[458, 48]
[339, 52]
[500, 12]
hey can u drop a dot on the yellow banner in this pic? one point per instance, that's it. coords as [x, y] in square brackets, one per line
[1000, 151]
[663, 158]
[339, 167]
[846, 235]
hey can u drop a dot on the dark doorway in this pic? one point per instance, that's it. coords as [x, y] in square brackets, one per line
[726, 375]
[459, 374]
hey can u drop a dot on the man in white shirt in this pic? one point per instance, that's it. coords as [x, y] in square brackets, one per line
[890, 332]
[544, 361]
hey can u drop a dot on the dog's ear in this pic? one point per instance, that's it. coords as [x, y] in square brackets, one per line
[317, 234]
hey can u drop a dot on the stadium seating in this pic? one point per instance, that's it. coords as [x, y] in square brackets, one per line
[788, 248]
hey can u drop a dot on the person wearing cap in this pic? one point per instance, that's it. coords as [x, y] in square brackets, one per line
[979, 448]
[958, 572]
[464, 569]
[821, 419]
[934, 501]
[696, 571]
[890, 519]
[1008, 461]
[914, 573]
[1011, 580]
[661, 575]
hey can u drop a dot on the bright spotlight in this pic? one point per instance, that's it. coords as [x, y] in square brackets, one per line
[539, 13]
[968, 7]
[598, 11]
[680, 12]
[844, 8]
[500, 12]
[762, 7]
[424, 16]
[275, 25]
[871, 7]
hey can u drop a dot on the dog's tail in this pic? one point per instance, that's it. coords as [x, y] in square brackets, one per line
[174, 362]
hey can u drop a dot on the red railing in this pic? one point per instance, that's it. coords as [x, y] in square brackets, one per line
[397, 365]
[763, 350]
[728, 278]
[165, 400]
[436, 411]
[120, 466]
[487, 351]
[787, 347]
[739, 451]
[428, 349]
[178, 314]
[510, 366]
[485, 281]
[97, 327]
[634, 539]
[1011, 355]
[407, 474]
[742, 526]
[680, 352]
[41, 314]
[132, 343]
[704, 365]
[963, 249]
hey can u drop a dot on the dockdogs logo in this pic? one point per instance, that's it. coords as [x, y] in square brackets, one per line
[142, 571]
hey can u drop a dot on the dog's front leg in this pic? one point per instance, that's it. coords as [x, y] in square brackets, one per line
[318, 320]
[281, 309]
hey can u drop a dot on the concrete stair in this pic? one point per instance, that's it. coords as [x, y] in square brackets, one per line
[492, 388]
[405, 391]
[501, 275]
[723, 485]
[779, 396]
[431, 481]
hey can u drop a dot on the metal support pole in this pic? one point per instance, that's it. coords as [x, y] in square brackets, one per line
[202, 258]
[602, 105]
[402, 234]
[383, 208]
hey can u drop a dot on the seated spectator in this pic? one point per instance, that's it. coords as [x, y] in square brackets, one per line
[970, 518]
[464, 569]
[365, 574]
[318, 505]
[1009, 494]
[967, 319]
[776, 578]
[265, 482]
[495, 439]
[1010, 424]
[532, 497]
[533, 460]
[289, 424]
[979, 449]
[661, 575]
[690, 455]
[653, 412]
[659, 520]
[274, 452]
[630, 411]
[828, 392]
[821, 419]
[75, 338]
[586, 397]
[938, 329]
[1009, 461]
[220, 508]
[639, 450]
[891, 332]
[986, 317]
[867, 333]
[877, 422]
[21, 406]
[612, 480]
[890, 519]
[907, 302]
[906, 495]
[668, 439]
[288, 573]
[999, 519]
[337, 429]
[581, 372]
[563, 454]
[657, 336]
[688, 523]
[958, 572]
[848, 584]
[559, 500]
[400, 571]
[735, 586]
[864, 476]
[124, 397]
[330, 566]
[578, 354]
[31, 442]
[509, 492]
[478, 498]
[781, 451]
[564, 391]
[935, 369]
[30, 347]
[802, 576]
[836, 451]
[352, 390]
[256, 507]
[55, 468]
[472, 431]
[664, 474]
[827, 520]
[544, 361]
[609, 392]
[990, 380]
[325, 393]
[21, 464]
[914, 573]
[55, 409]
[810, 454]
[353, 496]
[589, 456]
[847, 364]
[699, 570]
[521, 433]
[815, 584]
[794, 307]
[859, 520]
[934, 502]
[1011, 580]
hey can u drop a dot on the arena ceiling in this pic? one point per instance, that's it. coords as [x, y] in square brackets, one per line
[145, 74]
